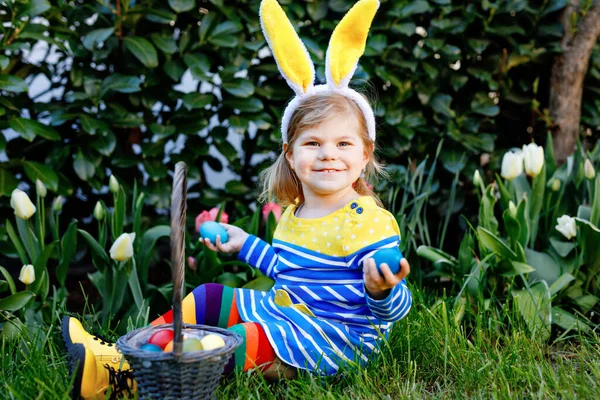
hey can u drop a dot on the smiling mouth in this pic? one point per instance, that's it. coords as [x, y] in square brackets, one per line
[329, 171]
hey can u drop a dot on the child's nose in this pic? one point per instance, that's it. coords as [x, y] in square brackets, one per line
[327, 151]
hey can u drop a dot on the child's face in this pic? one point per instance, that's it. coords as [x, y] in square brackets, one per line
[330, 157]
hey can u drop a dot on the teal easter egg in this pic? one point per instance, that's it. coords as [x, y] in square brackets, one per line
[192, 345]
[391, 257]
[151, 347]
[211, 229]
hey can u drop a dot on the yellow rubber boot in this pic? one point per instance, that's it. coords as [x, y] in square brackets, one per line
[96, 363]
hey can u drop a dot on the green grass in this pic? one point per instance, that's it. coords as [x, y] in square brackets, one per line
[427, 357]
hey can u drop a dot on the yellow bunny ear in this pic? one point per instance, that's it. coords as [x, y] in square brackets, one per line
[290, 53]
[348, 41]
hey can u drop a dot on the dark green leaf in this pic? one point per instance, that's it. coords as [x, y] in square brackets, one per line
[406, 28]
[100, 256]
[84, 168]
[231, 280]
[16, 241]
[16, 301]
[590, 238]
[93, 125]
[180, 6]
[250, 105]
[42, 172]
[95, 37]
[29, 129]
[413, 8]
[495, 244]
[239, 87]
[561, 283]
[142, 49]
[162, 131]
[41, 37]
[35, 7]
[261, 283]
[174, 70]
[482, 104]
[236, 187]
[8, 182]
[196, 100]
[165, 44]
[478, 45]
[568, 321]
[317, 10]
[546, 268]
[224, 40]
[441, 105]
[120, 83]
[68, 246]
[9, 280]
[12, 83]
[104, 144]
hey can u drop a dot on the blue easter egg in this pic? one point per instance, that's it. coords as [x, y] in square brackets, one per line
[391, 257]
[151, 347]
[211, 229]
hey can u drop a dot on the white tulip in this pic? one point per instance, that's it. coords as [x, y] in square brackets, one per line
[122, 248]
[588, 168]
[533, 157]
[99, 211]
[113, 184]
[512, 165]
[40, 188]
[20, 202]
[477, 181]
[566, 226]
[554, 184]
[27, 275]
[57, 204]
[512, 209]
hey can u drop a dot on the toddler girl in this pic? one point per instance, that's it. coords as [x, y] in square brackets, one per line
[329, 306]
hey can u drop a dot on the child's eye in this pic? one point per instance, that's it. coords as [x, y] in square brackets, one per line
[345, 143]
[312, 144]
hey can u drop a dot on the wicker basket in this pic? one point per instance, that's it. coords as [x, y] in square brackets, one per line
[177, 375]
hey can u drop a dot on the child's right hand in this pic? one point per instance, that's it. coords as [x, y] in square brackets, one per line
[237, 238]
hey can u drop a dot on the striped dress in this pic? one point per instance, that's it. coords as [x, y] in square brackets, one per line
[317, 315]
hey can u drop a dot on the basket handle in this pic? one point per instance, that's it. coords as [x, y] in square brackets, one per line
[178, 219]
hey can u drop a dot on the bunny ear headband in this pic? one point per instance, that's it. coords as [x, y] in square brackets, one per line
[346, 45]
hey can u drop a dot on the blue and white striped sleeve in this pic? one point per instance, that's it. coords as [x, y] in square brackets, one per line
[259, 254]
[395, 306]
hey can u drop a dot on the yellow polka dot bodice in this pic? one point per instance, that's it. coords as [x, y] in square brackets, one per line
[345, 231]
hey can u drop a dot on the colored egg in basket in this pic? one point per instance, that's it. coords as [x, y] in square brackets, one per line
[192, 343]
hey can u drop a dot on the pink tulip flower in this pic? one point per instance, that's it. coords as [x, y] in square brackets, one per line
[210, 216]
[271, 207]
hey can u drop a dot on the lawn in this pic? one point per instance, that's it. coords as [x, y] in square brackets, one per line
[427, 357]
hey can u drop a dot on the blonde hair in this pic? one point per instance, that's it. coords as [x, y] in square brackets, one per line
[280, 182]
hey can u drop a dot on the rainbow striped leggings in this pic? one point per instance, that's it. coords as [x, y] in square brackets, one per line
[214, 304]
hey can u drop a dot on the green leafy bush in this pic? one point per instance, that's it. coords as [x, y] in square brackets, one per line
[133, 87]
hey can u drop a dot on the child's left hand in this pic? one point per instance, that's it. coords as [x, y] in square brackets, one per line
[377, 286]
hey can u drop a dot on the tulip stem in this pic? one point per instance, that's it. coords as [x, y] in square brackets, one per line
[29, 232]
[590, 191]
[41, 218]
